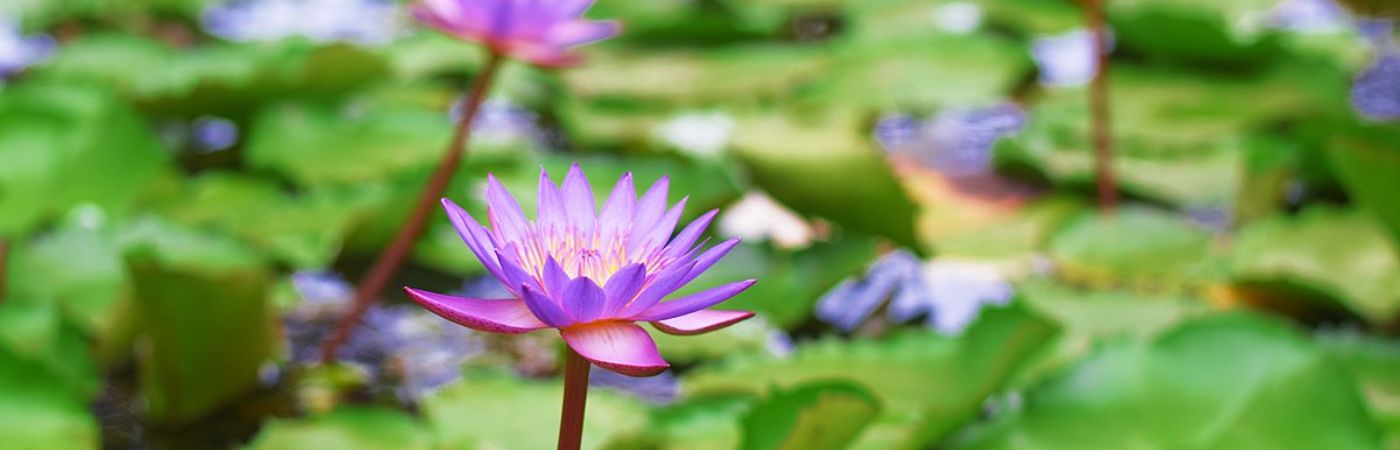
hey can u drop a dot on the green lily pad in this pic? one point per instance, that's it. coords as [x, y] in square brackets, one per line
[1375, 363]
[818, 416]
[350, 428]
[927, 384]
[706, 423]
[41, 412]
[1367, 159]
[69, 144]
[1196, 30]
[1228, 381]
[1344, 256]
[203, 323]
[922, 74]
[497, 411]
[1134, 246]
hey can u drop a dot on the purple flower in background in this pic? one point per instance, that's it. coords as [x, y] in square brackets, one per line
[18, 51]
[537, 31]
[591, 275]
[369, 22]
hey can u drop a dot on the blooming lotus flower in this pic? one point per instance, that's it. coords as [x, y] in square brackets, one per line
[537, 31]
[591, 275]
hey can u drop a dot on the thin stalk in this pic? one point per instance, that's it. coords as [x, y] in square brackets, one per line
[393, 256]
[575, 398]
[1099, 109]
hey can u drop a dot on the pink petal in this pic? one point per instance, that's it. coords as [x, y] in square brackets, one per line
[702, 321]
[509, 316]
[583, 300]
[693, 302]
[573, 8]
[621, 347]
[583, 32]
[507, 220]
[578, 200]
[512, 272]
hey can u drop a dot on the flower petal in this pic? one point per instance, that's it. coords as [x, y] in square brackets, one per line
[622, 287]
[545, 308]
[507, 220]
[651, 206]
[621, 347]
[709, 258]
[655, 236]
[583, 32]
[660, 285]
[508, 316]
[476, 237]
[578, 200]
[515, 276]
[617, 212]
[702, 321]
[550, 214]
[687, 237]
[555, 279]
[693, 302]
[583, 299]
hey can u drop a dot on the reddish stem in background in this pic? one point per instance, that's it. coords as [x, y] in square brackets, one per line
[1099, 109]
[392, 257]
[575, 398]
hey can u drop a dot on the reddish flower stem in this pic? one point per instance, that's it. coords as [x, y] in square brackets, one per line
[575, 397]
[392, 257]
[1099, 109]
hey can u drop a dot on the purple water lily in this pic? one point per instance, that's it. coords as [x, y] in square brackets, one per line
[537, 31]
[591, 275]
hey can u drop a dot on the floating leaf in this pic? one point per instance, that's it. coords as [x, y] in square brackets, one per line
[818, 416]
[469, 414]
[1342, 255]
[204, 325]
[926, 383]
[69, 144]
[1228, 381]
[1367, 160]
[350, 428]
[1136, 246]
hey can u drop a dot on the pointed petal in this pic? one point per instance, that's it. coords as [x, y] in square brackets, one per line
[703, 321]
[687, 237]
[550, 214]
[583, 32]
[709, 258]
[617, 212]
[618, 346]
[656, 236]
[545, 308]
[583, 299]
[693, 302]
[578, 200]
[555, 279]
[514, 275]
[622, 287]
[476, 237]
[652, 205]
[573, 8]
[509, 316]
[507, 219]
[661, 285]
